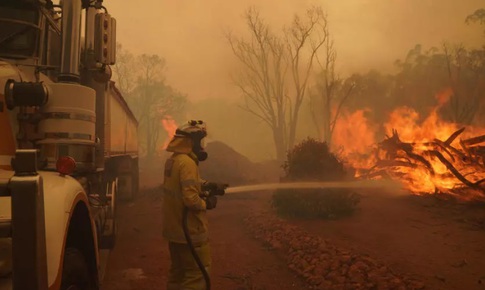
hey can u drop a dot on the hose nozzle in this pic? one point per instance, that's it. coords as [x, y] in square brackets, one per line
[214, 188]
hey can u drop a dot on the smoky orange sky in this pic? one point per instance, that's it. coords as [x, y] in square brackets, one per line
[368, 33]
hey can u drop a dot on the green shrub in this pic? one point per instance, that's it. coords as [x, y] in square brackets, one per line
[312, 160]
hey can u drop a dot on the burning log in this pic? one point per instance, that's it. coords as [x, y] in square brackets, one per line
[474, 140]
[393, 146]
[439, 165]
[453, 170]
[453, 136]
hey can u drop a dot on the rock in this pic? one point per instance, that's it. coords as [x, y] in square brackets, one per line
[324, 258]
[383, 270]
[335, 265]
[416, 285]
[344, 270]
[359, 266]
[304, 264]
[276, 245]
[315, 280]
[346, 259]
[320, 270]
[383, 286]
[357, 277]
[332, 276]
[373, 276]
[324, 285]
[340, 279]
[308, 269]
[322, 264]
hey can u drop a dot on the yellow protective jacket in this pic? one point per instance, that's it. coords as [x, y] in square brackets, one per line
[182, 188]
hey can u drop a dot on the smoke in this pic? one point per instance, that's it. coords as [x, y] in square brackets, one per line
[368, 34]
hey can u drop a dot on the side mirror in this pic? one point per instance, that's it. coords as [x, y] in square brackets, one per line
[105, 39]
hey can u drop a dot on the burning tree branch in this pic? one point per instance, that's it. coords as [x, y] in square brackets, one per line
[426, 163]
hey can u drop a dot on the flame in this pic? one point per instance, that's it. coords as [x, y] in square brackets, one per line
[406, 121]
[349, 128]
[170, 126]
[421, 162]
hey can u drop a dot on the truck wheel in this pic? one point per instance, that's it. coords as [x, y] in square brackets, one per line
[75, 272]
[126, 187]
[108, 236]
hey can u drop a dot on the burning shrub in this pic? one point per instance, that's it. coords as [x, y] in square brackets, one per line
[312, 160]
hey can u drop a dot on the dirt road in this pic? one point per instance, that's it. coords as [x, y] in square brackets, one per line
[140, 259]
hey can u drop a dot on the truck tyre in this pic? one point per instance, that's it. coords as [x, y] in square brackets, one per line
[126, 187]
[108, 236]
[75, 272]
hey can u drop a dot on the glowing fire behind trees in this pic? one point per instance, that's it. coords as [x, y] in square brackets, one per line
[427, 157]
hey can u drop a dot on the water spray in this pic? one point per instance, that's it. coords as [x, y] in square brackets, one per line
[360, 184]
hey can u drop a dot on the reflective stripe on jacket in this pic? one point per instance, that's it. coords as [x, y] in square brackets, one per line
[182, 188]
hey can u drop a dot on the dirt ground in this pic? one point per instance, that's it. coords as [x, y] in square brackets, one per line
[140, 260]
[439, 243]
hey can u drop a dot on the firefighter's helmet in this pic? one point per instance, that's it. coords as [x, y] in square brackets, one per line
[197, 131]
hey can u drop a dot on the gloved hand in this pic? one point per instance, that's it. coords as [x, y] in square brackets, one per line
[211, 202]
[214, 188]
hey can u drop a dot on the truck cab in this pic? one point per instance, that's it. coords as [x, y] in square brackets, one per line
[66, 144]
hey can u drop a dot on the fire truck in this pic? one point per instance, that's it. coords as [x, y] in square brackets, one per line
[68, 144]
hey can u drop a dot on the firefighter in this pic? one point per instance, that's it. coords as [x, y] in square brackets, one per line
[182, 191]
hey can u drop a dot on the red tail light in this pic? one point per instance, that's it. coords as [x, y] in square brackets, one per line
[66, 165]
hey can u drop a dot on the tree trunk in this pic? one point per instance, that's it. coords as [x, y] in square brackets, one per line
[327, 119]
[280, 144]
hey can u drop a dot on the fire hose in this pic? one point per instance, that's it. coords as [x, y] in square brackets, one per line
[208, 189]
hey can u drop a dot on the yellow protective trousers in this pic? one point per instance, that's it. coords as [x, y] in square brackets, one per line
[184, 273]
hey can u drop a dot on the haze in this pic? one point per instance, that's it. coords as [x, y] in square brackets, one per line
[368, 33]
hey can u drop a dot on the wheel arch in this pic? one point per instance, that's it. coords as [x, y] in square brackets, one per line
[81, 235]
[67, 211]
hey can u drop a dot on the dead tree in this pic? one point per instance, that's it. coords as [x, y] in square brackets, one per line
[275, 71]
[331, 93]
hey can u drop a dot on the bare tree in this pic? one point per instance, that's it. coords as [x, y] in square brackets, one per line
[330, 93]
[269, 92]
[465, 82]
[310, 33]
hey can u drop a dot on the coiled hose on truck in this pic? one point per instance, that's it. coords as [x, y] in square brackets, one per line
[192, 250]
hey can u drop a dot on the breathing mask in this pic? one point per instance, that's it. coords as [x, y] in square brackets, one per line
[196, 130]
